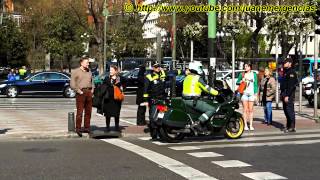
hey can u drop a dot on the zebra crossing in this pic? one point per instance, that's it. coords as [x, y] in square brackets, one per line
[33, 103]
[206, 149]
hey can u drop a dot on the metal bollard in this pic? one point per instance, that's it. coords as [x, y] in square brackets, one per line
[71, 126]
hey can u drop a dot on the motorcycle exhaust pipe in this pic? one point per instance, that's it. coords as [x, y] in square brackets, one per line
[186, 131]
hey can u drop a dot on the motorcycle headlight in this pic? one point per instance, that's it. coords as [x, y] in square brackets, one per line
[308, 85]
[2, 85]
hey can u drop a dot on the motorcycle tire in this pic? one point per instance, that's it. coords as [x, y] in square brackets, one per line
[169, 137]
[154, 133]
[310, 101]
[234, 128]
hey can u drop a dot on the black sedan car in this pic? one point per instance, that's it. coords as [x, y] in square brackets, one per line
[38, 84]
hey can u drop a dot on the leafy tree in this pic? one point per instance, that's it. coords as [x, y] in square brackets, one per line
[63, 37]
[127, 39]
[13, 47]
[289, 27]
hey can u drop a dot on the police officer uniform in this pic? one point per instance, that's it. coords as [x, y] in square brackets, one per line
[193, 86]
[288, 88]
[154, 86]
[154, 89]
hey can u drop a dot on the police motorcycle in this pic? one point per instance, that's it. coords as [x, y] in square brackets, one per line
[308, 89]
[175, 120]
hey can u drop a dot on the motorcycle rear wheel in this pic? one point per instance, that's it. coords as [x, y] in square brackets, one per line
[169, 137]
[234, 129]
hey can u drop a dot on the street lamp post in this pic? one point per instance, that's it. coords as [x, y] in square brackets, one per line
[300, 75]
[316, 54]
[105, 14]
[277, 73]
[212, 25]
[174, 35]
[233, 32]
[191, 53]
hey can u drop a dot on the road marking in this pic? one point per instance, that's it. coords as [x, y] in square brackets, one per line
[250, 133]
[164, 161]
[184, 148]
[128, 122]
[205, 154]
[231, 163]
[181, 148]
[145, 138]
[263, 176]
[249, 139]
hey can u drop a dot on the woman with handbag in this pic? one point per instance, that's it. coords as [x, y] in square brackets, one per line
[248, 88]
[267, 92]
[113, 97]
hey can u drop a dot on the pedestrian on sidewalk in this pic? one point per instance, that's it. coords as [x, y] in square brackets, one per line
[112, 105]
[17, 75]
[23, 72]
[12, 75]
[267, 93]
[142, 108]
[288, 88]
[249, 95]
[82, 83]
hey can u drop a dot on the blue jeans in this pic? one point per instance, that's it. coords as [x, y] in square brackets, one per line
[268, 112]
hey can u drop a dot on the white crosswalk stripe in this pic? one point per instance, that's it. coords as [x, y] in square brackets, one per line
[184, 148]
[231, 163]
[164, 161]
[251, 138]
[37, 103]
[263, 176]
[202, 149]
[205, 154]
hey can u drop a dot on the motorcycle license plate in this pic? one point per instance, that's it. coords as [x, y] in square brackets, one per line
[161, 115]
[308, 92]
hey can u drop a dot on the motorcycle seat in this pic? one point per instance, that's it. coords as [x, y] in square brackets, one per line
[179, 104]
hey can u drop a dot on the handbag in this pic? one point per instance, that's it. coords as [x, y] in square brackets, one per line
[242, 86]
[118, 94]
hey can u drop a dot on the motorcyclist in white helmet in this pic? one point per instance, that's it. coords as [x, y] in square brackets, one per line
[193, 86]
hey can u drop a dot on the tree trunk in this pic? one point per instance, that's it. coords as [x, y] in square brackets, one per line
[69, 63]
[286, 47]
[272, 39]
[254, 38]
[100, 58]
[219, 47]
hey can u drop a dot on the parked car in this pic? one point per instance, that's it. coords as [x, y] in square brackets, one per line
[130, 78]
[38, 84]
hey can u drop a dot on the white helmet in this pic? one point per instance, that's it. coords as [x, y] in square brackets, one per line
[196, 66]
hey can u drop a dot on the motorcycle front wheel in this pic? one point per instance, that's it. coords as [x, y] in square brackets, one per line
[170, 137]
[235, 128]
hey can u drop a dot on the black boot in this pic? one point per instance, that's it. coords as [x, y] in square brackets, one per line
[108, 123]
[116, 122]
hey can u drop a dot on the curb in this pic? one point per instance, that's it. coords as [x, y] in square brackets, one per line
[67, 135]
[39, 136]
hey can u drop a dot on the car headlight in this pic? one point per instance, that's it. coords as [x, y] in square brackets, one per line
[3, 85]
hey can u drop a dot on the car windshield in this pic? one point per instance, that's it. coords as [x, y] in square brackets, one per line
[125, 73]
[28, 76]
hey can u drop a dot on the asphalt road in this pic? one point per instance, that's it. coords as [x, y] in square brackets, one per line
[262, 156]
[49, 102]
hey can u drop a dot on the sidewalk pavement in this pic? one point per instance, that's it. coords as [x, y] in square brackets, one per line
[37, 124]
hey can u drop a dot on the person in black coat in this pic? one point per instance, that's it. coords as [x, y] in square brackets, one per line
[141, 113]
[112, 107]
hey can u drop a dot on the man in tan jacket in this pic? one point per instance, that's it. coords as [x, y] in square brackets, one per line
[82, 83]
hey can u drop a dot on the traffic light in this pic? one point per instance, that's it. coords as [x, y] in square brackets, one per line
[317, 21]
